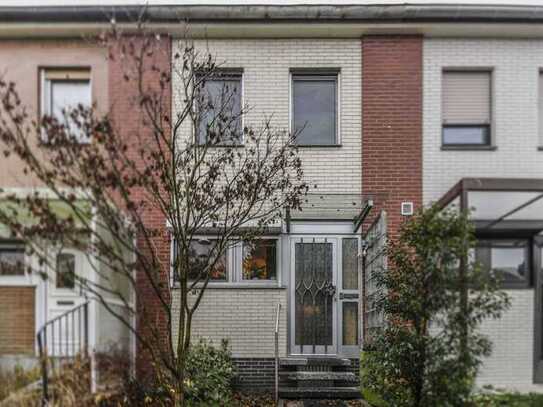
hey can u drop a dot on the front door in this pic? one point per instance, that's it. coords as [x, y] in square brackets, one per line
[324, 296]
[65, 293]
[313, 292]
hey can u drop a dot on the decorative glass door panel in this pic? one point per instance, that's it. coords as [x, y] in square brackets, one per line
[348, 297]
[313, 296]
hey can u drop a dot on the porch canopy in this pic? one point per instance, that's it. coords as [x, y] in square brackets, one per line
[332, 208]
[499, 204]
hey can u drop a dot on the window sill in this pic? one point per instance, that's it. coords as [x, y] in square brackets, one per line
[223, 146]
[238, 286]
[468, 148]
[319, 145]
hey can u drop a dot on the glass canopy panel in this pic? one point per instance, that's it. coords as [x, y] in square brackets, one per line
[493, 205]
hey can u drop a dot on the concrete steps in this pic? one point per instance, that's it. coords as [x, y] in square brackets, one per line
[317, 378]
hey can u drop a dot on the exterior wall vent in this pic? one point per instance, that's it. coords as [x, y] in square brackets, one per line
[407, 208]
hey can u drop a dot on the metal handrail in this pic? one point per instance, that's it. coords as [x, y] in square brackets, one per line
[276, 333]
[81, 311]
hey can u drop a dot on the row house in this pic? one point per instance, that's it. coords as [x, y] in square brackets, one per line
[407, 105]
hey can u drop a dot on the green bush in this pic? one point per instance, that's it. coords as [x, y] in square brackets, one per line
[210, 372]
[429, 349]
[501, 399]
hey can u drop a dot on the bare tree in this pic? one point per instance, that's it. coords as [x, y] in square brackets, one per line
[200, 169]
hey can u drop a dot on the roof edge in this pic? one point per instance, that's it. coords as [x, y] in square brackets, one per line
[400, 13]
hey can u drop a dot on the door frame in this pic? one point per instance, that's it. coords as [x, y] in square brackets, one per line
[320, 350]
[332, 230]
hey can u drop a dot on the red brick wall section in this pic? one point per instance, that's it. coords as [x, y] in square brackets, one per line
[17, 320]
[392, 123]
[129, 121]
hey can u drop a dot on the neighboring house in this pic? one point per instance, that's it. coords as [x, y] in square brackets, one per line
[50, 75]
[402, 103]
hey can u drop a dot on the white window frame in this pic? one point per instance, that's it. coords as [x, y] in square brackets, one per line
[234, 72]
[234, 267]
[45, 92]
[315, 72]
[22, 280]
[238, 263]
[491, 101]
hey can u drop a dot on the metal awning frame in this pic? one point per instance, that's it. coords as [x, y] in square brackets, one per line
[464, 186]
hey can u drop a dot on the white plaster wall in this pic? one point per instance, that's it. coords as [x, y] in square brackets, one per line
[516, 65]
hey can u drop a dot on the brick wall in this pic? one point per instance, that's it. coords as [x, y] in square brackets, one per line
[392, 123]
[511, 362]
[17, 320]
[515, 68]
[129, 122]
[246, 317]
[266, 81]
[516, 65]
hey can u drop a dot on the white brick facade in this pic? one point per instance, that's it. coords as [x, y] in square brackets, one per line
[515, 68]
[515, 65]
[511, 362]
[246, 317]
[266, 68]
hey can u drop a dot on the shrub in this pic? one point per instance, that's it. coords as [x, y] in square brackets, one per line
[208, 384]
[16, 379]
[210, 372]
[429, 350]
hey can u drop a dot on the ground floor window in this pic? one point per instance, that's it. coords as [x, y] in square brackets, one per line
[242, 262]
[12, 259]
[507, 259]
[259, 260]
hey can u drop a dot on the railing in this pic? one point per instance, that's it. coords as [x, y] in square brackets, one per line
[276, 333]
[64, 336]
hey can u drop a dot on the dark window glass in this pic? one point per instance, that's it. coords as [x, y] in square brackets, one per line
[466, 135]
[12, 261]
[508, 259]
[314, 105]
[200, 254]
[65, 271]
[220, 111]
[260, 260]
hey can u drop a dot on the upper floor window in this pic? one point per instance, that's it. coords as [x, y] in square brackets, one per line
[315, 108]
[220, 110]
[62, 91]
[466, 111]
